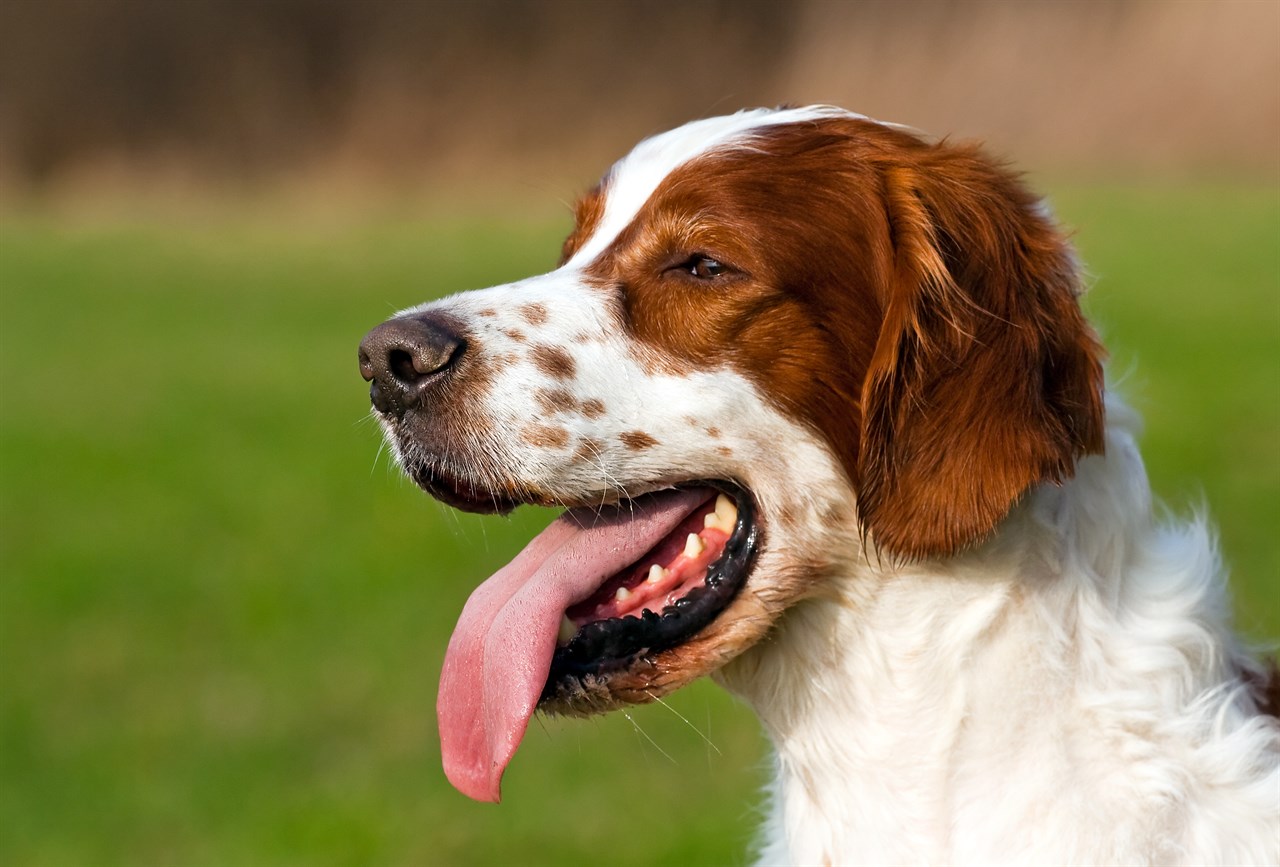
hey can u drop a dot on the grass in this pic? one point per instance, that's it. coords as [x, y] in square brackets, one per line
[222, 621]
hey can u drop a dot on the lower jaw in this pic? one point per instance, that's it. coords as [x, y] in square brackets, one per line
[618, 654]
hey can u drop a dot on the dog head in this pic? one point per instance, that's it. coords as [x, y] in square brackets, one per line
[775, 340]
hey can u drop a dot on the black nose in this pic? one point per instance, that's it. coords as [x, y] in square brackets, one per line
[403, 356]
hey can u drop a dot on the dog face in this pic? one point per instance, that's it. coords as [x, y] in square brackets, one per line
[774, 340]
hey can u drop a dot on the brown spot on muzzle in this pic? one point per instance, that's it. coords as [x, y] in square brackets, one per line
[637, 440]
[588, 449]
[545, 436]
[554, 361]
[534, 314]
[553, 400]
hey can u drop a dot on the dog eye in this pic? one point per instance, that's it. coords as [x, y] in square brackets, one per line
[704, 267]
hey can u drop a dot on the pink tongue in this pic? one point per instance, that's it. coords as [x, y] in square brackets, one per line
[500, 653]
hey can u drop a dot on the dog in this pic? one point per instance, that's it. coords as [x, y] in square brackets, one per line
[828, 424]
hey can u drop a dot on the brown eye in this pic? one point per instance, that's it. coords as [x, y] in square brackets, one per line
[705, 268]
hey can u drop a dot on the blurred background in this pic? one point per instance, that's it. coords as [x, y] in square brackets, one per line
[222, 613]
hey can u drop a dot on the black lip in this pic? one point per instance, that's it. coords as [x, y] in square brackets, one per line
[459, 493]
[604, 646]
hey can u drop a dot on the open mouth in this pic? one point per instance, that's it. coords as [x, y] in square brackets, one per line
[662, 599]
[598, 593]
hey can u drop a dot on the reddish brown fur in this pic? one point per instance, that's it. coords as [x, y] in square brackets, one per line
[986, 378]
[637, 440]
[551, 400]
[588, 449]
[553, 361]
[534, 314]
[545, 436]
[906, 299]
[557, 400]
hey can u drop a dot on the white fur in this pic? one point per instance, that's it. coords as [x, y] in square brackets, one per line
[1069, 693]
[635, 177]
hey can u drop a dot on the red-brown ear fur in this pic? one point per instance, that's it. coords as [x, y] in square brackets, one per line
[986, 379]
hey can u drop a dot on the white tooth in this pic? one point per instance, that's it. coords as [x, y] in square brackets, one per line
[727, 511]
[693, 546]
[622, 595]
[656, 574]
[718, 521]
[567, 630]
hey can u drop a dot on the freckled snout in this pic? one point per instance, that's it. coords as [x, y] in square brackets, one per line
[404, 357]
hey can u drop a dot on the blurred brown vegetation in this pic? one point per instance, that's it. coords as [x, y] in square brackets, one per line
[227, 96]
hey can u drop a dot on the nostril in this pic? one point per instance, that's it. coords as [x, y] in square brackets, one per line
[366, 366]
[406, 366]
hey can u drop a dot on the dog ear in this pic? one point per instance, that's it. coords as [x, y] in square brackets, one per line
[986, 379]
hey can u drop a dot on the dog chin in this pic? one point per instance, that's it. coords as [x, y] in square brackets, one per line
[649, 678]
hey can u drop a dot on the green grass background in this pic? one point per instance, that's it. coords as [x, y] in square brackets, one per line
[222, 616]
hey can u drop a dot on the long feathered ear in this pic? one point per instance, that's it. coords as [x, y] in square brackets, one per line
[985, 379]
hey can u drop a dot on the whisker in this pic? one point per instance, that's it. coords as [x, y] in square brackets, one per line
[382, 447]
[686, 721]
[645, 734]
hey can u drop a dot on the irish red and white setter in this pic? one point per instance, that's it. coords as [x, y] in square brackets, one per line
[827, 424]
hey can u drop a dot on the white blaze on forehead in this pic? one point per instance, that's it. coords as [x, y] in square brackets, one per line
[633, 179]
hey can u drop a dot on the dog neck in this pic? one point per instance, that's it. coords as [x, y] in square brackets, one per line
[937, 712]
